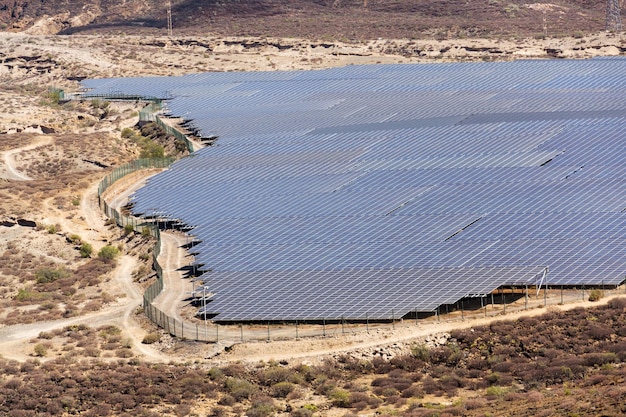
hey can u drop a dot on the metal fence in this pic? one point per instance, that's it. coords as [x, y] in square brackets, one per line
[148, 114]
[131, 167]
[138, 225]
[211, 332]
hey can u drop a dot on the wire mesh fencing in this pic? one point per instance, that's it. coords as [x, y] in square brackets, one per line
[497, 307]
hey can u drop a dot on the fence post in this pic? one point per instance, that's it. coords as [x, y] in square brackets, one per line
[526, 298]
[462, 311]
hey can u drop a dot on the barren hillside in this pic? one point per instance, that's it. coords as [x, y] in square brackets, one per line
[314, 19]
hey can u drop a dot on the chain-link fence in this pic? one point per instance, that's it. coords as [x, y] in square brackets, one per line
[148, 114]
[488, 307]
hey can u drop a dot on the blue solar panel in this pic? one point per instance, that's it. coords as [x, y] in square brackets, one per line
[379, 190]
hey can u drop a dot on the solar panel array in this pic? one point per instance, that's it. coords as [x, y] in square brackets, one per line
[374, 191]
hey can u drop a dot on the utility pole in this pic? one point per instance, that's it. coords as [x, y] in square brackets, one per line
[170, 28]
[613, 18]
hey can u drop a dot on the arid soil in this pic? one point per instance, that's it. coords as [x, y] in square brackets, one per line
[352, 20]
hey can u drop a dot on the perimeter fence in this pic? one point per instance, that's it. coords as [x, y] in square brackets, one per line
[138, 225]
[211, 332]
[149, 114]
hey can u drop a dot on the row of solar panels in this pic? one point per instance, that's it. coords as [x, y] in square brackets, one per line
[379, 190]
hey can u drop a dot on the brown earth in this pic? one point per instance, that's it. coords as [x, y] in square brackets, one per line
[354, 20]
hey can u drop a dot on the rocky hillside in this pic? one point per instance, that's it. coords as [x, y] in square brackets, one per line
[319, 19]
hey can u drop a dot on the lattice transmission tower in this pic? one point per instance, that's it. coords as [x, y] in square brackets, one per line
[170, 27]
[613, 18]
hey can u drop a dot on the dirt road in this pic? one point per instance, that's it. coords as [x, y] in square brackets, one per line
[14, 340]
[11, 172]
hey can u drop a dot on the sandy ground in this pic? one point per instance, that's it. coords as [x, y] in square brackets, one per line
[54, 59]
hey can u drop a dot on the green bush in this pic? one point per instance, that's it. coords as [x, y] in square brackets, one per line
[128, 229]
[75, 239]
[282, 389]
[86, 250]
[151, 150]
[54, 96]
[595, 295]
[495, 391]
[421, 352]
[108, 253]
[127, 133]
[340, 397]
[40, 350]
[45, 275]
[27, 294]
[240, 389]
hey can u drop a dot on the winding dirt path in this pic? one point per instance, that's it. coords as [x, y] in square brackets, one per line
[11, 172]
[175, 289]
[14, 340]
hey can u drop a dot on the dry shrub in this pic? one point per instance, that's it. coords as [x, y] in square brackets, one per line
[414, 391]
[151, 338]
[282, 389]
[474, 403]
[617, 304]
[240, 389]
[276, 374]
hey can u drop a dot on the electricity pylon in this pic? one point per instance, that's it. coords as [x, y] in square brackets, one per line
[613, 18]
[170, 28]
